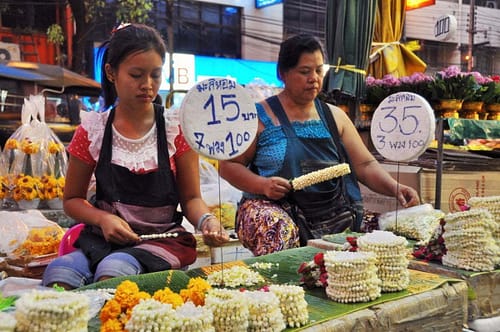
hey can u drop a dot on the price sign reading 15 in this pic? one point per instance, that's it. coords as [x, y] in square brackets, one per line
[403, 126]
[218, 118]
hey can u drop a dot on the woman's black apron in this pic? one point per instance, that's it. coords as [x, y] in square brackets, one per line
[324, 208]
[148, 202]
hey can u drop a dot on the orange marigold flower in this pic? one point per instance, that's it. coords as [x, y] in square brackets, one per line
[112, 325]
[55, 147]
[11, 144]
[30, 147]
[166, 295]
[111, 310]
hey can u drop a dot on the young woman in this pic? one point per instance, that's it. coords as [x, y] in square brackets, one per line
[143, 168]
[298, 134]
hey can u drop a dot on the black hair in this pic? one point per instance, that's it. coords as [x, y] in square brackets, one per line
[125, 40]
[292, 48]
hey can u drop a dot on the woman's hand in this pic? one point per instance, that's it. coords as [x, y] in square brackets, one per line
[407, 196]
[276, 188]
[116, 230]
[214, 234]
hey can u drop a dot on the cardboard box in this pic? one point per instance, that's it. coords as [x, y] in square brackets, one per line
[231, 251]
[456, 187]
[405, 174]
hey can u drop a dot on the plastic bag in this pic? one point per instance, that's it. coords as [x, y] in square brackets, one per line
[221, 197]
[28, 233]
[417, 222]
[33, 156]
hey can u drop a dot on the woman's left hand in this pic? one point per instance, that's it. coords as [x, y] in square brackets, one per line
[214, 234]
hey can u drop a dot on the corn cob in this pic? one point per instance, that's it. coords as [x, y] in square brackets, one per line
[50, 310]
[292, 303]
[344, 270]
[392, 261]
[321, 175]
[264, 314]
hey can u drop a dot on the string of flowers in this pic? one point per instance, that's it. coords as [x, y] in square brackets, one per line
[117, 311]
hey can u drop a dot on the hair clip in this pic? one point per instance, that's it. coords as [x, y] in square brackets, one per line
[119, 27]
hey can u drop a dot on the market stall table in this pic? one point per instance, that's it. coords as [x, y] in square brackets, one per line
[483, 287]
[431, 302]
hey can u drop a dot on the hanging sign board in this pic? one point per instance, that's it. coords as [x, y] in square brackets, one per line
[218, 118]
[445, 27]
[403, 126]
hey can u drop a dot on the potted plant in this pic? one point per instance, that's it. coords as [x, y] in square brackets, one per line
[473, 105]
[417, 83]
[377, 89]
[450, 88]
[491, 98]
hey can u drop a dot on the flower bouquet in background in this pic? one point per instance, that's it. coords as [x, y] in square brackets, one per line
[27, 191]
[36, 155]
[54, 178]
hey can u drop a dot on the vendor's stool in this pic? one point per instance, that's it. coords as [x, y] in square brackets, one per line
[69, 238]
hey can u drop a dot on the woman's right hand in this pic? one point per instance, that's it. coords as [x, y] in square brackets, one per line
[116, 230]
[276, 187]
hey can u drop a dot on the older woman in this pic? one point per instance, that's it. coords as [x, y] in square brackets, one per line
[297, 134]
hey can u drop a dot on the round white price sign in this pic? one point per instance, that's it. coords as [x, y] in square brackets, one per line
[403, 126]
[218, 118]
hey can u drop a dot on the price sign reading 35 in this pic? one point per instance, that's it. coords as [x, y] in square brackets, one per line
[403, 126]
[218, 118]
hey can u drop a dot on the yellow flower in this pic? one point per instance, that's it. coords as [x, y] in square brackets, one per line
[112, 325]
[41, 241]
[3, 187]
[166, 295]
[11, 144]
[29, 147]
[27, 188]
[55, 147]
[195, 291]
[52, 187]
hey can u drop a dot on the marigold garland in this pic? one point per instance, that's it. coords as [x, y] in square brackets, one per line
[117, 311]
[41, 241]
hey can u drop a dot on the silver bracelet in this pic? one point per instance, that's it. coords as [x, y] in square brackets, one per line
[202, 220]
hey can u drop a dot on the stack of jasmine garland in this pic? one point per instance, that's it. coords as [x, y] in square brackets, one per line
[392, 258]
[492, 204]
[352, 276]
[152, 315]
[229, 309]
[292, 303]
[51, 310]
[469, 241]
[264, 314]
